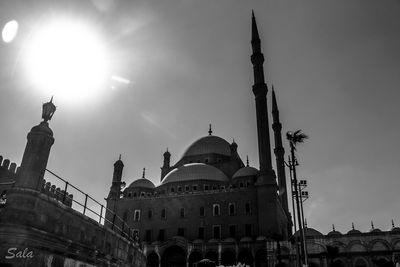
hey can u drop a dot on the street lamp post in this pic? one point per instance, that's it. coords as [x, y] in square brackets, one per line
[294, 138]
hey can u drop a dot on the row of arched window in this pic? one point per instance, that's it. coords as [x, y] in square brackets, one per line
[216, 211]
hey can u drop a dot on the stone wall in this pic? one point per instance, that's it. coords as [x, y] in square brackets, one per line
[38, 230]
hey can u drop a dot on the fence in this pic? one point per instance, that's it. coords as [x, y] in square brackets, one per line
[88, 206]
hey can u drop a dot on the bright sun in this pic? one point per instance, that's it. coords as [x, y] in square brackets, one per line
[66, 59]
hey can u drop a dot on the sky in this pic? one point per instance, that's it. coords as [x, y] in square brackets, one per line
[335, 66]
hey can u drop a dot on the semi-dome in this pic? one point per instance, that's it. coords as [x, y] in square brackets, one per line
[142, 182]
[245, 171]
[210, 144]
[334, 233]
[195, 171]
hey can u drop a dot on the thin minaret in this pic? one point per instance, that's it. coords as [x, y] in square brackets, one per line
[279, 154]
[260, 90]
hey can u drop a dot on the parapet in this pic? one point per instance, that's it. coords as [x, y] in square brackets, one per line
[56, 193]
[7, 171]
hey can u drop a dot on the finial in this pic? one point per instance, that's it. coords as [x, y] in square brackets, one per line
[144, 173]
[372, 225]
[210, 130]
[352, 226]
[392, 223]
[305, 223]
[333, 227]
[119, 157]
[48, 110]
[247, 160]
[167, 149]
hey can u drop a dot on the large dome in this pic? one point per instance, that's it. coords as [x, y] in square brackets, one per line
[208, 145]
[195, 171]
[142, 182]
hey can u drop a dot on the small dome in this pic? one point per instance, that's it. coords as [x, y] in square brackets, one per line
[334, 233]
[375, 230]
[353, 232]
[142, 182]
[195, 171]
[395, 229]
[310, 232]
[208, 145]
[245, 171]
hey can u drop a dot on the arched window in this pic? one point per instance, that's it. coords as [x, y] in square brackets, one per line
[136, 216]
[216, 210]
[248, 208]
[182, 212]
[164, 214]
[232, 209]
[150, 213]
[201, 211]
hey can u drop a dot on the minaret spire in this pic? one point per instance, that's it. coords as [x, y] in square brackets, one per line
[279, 154]
[272, 215]
[210, 130]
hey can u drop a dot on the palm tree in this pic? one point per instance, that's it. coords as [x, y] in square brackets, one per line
[294, 138]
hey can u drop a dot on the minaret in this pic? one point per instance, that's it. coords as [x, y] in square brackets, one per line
[260, 90]
[279, 154]
[37, 151]
[272, 219]
[166, 165]
[115, 190]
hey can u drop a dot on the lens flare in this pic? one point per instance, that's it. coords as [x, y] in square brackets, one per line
[10, 31]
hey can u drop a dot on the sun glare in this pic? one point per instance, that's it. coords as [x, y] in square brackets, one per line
[67, 59]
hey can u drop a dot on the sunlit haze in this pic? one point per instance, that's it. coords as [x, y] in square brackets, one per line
[10, 31]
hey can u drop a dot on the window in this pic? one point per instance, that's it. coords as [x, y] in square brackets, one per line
[201, 232]
[195, 187]
[241, 185]
[164, 214]
[181, 232]
[202, 211]
[248, 208]
[232, 209]
[214, 187]
[217, 231]
[216, 210]
[182, 213]
[247, 229]
[150, 214]
[161, 234]
[135, 234]
[206, 187]
[232, 231]
[134, 194]
[148, 236]
[142, 194]
[248, 183]
[125, 216]
[130, 194]
[222, 187]
[179, 188]
[136, 216]
[187, 188]
[172, 190]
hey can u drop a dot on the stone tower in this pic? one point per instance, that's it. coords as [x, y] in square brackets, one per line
[37, 151]
[272, 217]
[166, 165]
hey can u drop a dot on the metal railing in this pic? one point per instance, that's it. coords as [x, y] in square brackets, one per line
[88, 206]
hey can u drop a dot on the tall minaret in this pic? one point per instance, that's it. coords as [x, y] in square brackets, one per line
[280, 155]
[272, 218]
[260, 90]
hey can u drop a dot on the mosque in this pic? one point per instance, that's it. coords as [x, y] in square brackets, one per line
[212, 204]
